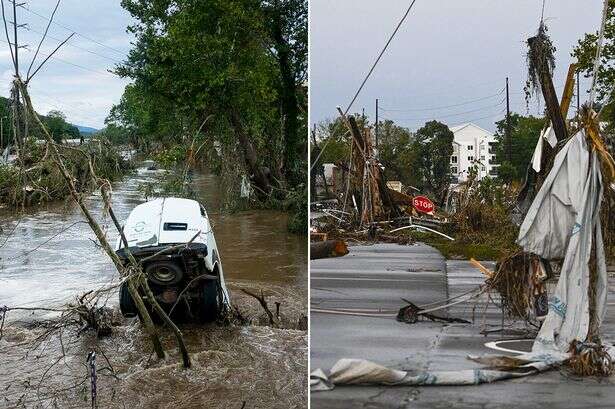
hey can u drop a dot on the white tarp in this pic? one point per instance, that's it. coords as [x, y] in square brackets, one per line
[561, 223]
[549, 135]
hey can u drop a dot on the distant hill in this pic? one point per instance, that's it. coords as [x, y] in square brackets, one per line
[86, 130]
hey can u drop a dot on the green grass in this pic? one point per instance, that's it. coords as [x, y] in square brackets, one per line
[459, 249]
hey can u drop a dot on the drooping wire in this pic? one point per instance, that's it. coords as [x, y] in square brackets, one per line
[76, 32]
[371, 70]
[443, 106]
[38, 48]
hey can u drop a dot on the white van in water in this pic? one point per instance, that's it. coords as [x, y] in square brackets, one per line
[173, 240]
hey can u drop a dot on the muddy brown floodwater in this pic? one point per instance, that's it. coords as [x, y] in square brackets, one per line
[48, 256]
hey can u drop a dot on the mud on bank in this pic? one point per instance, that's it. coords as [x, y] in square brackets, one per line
[264, 367]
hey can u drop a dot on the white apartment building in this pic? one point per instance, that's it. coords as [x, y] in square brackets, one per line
[472, 146]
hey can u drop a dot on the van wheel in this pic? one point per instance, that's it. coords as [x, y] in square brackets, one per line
[128, 307]
[164, 273]
[210, 303]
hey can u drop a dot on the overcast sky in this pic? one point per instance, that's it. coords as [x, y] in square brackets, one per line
[85, 92]
[448, 52]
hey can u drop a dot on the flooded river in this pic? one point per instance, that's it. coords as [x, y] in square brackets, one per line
[49, 256]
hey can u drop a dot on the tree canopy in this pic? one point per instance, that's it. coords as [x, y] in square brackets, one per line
[234, 69]
[524, 133]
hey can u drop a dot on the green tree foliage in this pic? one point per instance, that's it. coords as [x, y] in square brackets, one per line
[524, 131]
[237, 66]
[55, 121]
[433, 145]
[397, 153]
[585, 52]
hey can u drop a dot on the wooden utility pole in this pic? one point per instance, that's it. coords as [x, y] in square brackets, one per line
[568, 91]
[508, 136]
[548, 90]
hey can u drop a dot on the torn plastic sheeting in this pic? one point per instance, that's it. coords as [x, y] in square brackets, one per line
[362, 372]
[562, 222]
[549, 135]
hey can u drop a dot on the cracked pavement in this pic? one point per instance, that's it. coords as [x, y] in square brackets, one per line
[377, 277]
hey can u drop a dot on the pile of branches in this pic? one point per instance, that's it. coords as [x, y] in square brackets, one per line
[40, 180]
[512, 282]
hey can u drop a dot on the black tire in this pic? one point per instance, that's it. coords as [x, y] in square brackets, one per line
[127, 304]
[210, 302]
[164, 273]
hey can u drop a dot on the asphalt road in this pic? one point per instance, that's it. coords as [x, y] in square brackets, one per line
[377, 277]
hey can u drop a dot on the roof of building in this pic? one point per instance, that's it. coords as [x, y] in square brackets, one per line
[458, 128]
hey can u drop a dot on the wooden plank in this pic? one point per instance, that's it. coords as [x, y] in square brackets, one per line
[568, 91]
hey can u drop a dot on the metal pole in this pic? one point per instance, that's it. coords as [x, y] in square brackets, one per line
[376, 123]
[578, 93]
[508, 140]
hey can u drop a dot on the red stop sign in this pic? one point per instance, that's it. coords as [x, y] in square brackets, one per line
[423, 204]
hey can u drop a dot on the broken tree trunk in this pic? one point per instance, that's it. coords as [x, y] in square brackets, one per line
[548, 90]
[328, 248]
[557, 117]
[260, 177]
[147, 320]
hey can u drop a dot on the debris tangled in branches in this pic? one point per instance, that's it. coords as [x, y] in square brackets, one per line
[590, 359]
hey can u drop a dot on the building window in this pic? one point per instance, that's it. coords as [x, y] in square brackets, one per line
[482, 168]
[454, 169]
[453, 159]
[482, 157]
[471, 158]
[470, 147]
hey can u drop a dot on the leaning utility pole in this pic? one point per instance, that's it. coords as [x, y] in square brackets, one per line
[16, 96]
[508, 137]
[376, 123]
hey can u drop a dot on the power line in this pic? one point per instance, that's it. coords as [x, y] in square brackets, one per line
[76, 46]
[443, 106]
[380, 55]
[354, 98]
[73, 64]
[123, 54]
[451, 115]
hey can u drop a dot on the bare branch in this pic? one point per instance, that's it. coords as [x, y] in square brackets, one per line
[48, 57]
[42, 39]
